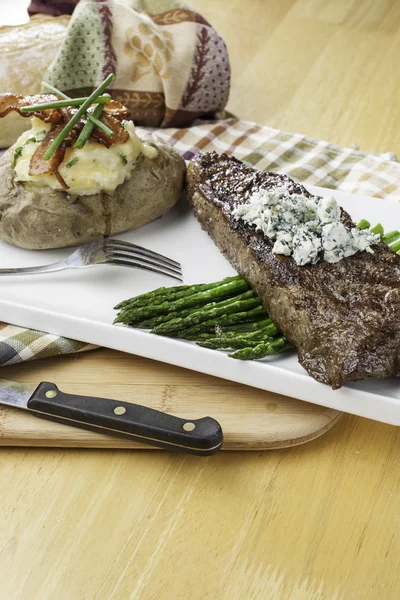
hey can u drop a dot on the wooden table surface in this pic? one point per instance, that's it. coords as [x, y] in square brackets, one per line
[317, 521]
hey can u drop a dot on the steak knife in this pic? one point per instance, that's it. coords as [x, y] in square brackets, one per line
[202, 437]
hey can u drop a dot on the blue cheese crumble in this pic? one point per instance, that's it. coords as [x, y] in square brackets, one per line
[308, 229]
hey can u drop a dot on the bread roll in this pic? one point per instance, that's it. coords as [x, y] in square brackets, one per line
[26, 52]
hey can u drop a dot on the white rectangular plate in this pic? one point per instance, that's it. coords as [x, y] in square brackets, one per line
[79, 304]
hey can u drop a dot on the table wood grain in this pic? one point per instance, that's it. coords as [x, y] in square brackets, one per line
[320, 521]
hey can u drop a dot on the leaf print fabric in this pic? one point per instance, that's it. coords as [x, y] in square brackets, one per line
[171, 67]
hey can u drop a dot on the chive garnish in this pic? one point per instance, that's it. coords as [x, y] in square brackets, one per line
[55, 91]
[36, 138]
[66, 102]
[88, 128]
[123, 158]
[99, 124]
[72, 162]
[17, 154]
[81, 110]
[89, 115]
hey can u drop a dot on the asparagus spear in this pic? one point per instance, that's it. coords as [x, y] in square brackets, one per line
[234, 343]
[205, 314]
[164, 318]
[395, 247]
[252, 329]
[173, 293]
[150, 297]
[364, 224]
[263, 349]
[150, 323]
[192, 333]
[147, 312]
[245, 327]
[391, 237]
[378, 228]
[240, 341]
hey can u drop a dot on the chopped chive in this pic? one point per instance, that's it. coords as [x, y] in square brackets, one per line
[36, 138]
[17, 154]
[40, 134]
[72, 162]
[378, 228]
[81, 111]
[124, 123]
[123, 158]
[391, 237]
[60, 103]
[364, 224]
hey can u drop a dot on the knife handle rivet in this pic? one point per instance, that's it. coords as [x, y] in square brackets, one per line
[51, 394]
[189, 426]
[119, 410]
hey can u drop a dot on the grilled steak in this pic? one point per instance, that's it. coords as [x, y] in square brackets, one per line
[343, 318]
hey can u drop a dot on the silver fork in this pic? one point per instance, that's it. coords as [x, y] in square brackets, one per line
[110, 252]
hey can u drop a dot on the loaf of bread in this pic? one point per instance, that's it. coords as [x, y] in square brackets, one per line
[26, 52]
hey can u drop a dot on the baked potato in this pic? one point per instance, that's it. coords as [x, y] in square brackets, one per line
[36, 216]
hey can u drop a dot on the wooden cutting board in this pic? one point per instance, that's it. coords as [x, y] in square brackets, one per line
[251, 419]
[276, 422]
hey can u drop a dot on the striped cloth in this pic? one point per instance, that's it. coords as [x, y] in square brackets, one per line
[310, 161]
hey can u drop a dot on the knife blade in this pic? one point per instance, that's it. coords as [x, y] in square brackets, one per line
[202, 437]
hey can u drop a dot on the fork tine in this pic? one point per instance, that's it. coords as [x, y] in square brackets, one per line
[139, 252]
[135, 265]
[145, 251]
[145, 261]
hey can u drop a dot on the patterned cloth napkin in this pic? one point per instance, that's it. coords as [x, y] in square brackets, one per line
[171, 66]
[310, 161]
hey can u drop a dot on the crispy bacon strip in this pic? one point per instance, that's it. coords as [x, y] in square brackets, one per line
[120, 135]
[10, 102]
[61, 180]
[40, 166]
[117, 110]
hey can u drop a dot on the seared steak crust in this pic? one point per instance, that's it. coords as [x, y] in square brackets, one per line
[343, 318]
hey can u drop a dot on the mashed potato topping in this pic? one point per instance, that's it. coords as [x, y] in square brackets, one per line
[89, 170]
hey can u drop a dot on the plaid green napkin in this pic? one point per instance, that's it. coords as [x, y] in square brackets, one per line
[313, 162]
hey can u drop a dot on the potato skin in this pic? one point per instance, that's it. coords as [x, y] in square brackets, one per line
[42, 218]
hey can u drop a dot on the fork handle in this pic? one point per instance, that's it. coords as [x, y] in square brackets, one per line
[58, 266]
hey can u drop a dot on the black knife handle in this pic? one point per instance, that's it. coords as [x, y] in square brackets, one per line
[123, 419]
